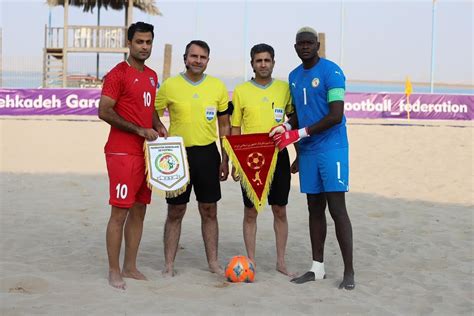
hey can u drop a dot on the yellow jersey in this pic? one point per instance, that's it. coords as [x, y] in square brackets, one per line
[192, 107]
[258, 108]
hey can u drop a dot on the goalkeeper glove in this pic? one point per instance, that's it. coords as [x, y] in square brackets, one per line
[289, 137]
[279, 129]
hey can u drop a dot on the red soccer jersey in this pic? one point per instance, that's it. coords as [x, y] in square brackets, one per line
[134, 92]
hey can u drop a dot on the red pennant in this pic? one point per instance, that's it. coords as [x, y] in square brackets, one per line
[256, 157]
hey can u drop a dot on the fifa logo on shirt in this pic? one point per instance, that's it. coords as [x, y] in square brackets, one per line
[315, 82]
[210, 113]
[152, 81]
[278, 115]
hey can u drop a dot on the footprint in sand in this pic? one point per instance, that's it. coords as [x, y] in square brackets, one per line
[71, 184]
[222, 285]
[24, 285]
[375, 214]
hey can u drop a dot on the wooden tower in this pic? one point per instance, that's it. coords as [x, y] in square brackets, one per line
[60, 41]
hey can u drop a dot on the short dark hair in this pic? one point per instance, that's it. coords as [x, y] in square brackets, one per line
[141, 27]
[262, 48]
[199, 43]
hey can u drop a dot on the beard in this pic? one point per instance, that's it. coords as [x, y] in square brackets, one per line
[141, 57]
[264, 75]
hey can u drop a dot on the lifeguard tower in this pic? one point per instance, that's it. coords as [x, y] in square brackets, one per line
[60, 41]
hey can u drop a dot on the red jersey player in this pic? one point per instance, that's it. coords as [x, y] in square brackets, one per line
[127, 104]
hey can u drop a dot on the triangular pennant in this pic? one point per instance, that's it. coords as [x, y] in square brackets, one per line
[254, 157]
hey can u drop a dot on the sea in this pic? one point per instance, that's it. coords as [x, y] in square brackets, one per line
[31, 80]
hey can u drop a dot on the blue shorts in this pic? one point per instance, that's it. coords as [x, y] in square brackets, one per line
[324, 172]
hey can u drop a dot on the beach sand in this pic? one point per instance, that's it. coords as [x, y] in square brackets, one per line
[411, 206]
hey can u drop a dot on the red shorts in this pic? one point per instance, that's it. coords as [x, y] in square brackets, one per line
[127, 180]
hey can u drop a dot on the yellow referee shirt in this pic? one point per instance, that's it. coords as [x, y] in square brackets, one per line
[193, 107]
[258, 108]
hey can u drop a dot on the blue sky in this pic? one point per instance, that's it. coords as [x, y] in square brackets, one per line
[382, 40]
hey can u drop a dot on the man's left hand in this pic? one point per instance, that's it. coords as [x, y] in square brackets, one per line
[289, 137]
[162, 131]
[223, 171]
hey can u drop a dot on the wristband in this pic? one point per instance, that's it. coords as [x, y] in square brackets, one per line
[303, 132]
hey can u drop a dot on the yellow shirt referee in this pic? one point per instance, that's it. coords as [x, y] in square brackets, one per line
[259, 105]
[193, 107]
[196, 104]
[258, 108]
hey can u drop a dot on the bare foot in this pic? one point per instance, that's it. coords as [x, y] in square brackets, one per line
[216, 268]
[348, 282]
[168, 272]
[282, 269]
[115, 280]
[133, 274]
[307, 277]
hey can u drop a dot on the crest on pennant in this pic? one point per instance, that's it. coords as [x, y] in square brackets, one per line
[254, 157]
[167, 165]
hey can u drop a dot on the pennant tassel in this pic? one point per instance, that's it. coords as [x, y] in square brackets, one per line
[147, 165]
[175, 193]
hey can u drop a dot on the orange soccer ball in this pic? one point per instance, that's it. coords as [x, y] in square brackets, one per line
[240, 269]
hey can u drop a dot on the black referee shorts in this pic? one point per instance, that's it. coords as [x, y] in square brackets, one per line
[280, 188]
[204, 162]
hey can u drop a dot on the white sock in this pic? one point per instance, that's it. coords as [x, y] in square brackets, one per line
[318, 269]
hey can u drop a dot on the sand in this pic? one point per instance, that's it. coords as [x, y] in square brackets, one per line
[411, 206]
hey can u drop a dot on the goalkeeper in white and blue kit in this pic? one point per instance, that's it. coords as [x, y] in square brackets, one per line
[317, 88]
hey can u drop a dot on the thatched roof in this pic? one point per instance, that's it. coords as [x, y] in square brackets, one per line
[147, 6]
